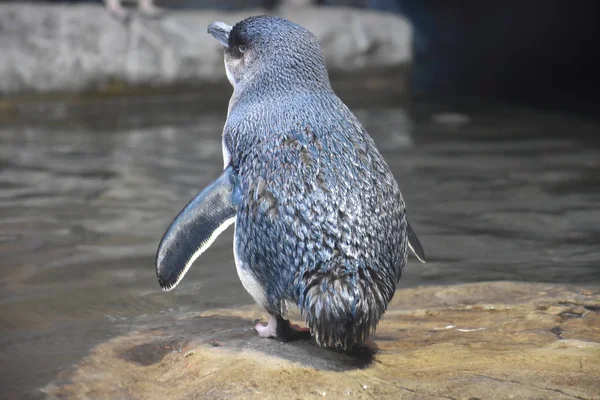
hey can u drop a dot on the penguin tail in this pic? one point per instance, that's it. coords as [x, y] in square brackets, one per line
[342, 311]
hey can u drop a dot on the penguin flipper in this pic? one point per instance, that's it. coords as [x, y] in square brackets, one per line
[415, 244]
[195, 229]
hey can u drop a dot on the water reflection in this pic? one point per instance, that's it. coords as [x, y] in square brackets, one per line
[86, 193]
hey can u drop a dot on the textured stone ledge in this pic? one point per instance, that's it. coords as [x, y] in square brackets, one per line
[81, 48]
[474, 341]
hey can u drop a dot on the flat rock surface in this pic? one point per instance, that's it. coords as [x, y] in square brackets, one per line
[75, 48]
[471, 341]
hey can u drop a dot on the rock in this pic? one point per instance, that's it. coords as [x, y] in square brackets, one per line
[62, 48]
[472, 341]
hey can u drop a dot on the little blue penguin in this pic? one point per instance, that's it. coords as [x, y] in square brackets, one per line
[319, 218]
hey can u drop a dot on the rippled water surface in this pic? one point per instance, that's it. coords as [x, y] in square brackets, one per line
[87, 191]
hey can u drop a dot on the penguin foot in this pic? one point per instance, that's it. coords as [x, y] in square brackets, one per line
[281, 329]
[115, 8]
[148, 9]
[270, 330]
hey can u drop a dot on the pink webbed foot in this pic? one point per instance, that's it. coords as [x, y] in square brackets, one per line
[269, 330]
[281, 329]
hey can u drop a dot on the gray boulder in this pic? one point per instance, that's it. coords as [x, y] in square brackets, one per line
[62, 48]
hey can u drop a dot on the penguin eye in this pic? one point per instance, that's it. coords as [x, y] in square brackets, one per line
[242, 49]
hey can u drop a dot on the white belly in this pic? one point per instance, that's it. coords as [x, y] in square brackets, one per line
[226, 154]
[249, 281]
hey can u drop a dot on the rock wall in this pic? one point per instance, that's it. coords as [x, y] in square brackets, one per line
[75, 48]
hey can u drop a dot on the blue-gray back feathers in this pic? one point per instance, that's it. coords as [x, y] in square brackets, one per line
[321, 218]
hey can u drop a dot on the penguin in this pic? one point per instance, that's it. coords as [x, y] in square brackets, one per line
[319, 218]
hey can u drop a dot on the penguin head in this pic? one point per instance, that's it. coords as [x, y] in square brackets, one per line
[271, 53]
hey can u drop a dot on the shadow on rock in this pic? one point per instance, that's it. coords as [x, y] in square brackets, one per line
[231, 333]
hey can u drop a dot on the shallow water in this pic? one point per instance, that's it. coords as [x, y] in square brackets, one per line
[86, 192]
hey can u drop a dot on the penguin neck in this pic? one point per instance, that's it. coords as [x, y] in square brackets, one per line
[277, 81]
[271, 92]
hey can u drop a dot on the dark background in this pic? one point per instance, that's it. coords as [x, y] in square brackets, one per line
[539, 53]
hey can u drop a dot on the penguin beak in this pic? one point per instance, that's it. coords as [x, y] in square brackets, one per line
[220, 31]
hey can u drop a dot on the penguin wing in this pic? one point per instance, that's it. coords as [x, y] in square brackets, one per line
[414, 243]
[196, 227]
